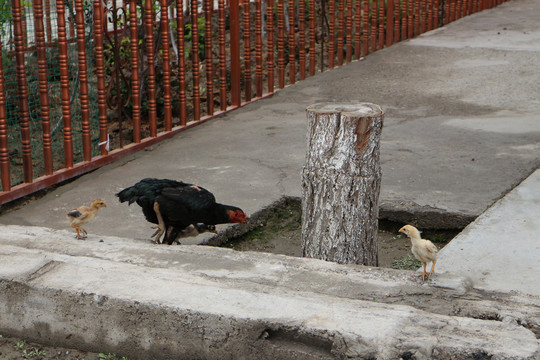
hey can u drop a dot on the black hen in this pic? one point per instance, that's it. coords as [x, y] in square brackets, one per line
[178, 205]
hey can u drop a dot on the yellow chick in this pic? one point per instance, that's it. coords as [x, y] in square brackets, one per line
[82, 215]
[423, 250]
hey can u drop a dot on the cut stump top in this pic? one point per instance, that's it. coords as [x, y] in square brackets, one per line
[353, 110]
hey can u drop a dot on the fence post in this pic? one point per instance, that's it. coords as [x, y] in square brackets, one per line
[64, 84]
[281, 43]
[349, 30]
[247, 50]
[436, 14]
[48, 20]
[151, 77]
[4, 151]
[292, 45]
[374, 27]
[83, 76]
[100, 75]
[166, 80]
[43, 87]
[235, 53]
[195, 60]
[389, 22]
[340, 32]
[381, 24]
[340, 183]
[258, 49]
[302, 40]
[181, 60]
[135, 93]
[270, 44]
[312, 38]
[208, 9]
[22, 88]
[430, 15]
[365, 24]
[222, 56]
[331, 34]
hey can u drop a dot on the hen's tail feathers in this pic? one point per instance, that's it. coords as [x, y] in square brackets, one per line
[128, 194]
[147, 187]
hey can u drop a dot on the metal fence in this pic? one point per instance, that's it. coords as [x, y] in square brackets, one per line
[83, 82]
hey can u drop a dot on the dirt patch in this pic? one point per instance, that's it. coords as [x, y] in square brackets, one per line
[279, 232]
[17, 349]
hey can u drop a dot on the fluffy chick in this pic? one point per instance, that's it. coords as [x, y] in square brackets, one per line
[82, 215]
[423, 250]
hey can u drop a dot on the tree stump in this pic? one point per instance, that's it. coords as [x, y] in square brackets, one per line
[340, 183]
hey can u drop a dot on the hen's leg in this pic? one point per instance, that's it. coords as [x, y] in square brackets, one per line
[161, 225]
[171, 236]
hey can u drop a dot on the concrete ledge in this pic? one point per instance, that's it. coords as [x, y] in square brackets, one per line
[156, 302]
[500, 251]
[424, 217]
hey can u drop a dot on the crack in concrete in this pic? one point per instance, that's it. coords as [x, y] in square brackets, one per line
[47, 267]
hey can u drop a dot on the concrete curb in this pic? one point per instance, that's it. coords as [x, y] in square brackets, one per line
[152, 302]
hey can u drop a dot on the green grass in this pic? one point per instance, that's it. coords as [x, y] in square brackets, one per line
[406, 263]
[256, 235]
[28, 354]
[287, 217]
[110, 356]
[437, 238]
[30, 351]
[27, 351]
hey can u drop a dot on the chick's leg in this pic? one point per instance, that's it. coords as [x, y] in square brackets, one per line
[424, 273]
[161, 225]
[433, 268]
[79, 230]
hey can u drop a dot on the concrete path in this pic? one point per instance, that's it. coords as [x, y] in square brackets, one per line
[500, 251]
[461, 131]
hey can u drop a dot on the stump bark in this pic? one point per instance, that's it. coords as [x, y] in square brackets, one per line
[340, 183]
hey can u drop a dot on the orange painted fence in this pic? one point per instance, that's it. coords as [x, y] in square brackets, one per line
[82, 85]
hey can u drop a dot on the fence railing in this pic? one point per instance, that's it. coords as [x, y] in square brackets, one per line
[83, 83]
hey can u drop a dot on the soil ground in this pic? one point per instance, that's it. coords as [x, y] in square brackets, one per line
[18, 349]
[280, 232]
